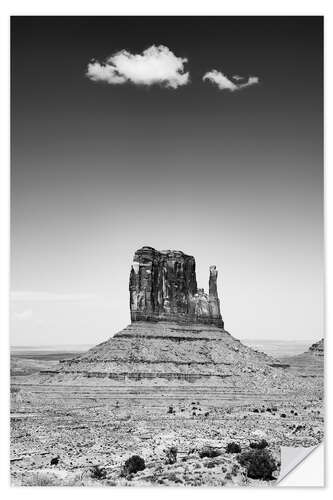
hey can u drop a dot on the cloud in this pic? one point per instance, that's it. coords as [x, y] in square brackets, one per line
[232, 84]
[155, 66]
[27, 296]
[23, 315]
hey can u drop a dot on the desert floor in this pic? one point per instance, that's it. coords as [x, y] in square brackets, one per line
[87, 423]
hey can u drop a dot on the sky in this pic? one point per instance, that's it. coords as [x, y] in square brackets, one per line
[202, 134]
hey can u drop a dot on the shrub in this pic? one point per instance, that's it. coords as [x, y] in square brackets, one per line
[133, 465]
[55, 460]
[171, 454]
[259, 445]
[255, 410]
[97, 472]
[210, 465]
[170, 410]
[172, 477]
[259, 464]
[209, 451]
[283, 415]
[234, 470]
[233, 448]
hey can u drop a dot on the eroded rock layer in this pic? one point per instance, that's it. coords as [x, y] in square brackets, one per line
[167, 350]
[163, 287]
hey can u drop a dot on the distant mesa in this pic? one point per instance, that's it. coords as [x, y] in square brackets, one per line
[308, 364]
[163, 287]
[317, 348]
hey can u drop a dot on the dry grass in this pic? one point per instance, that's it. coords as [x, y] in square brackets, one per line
[42, 479]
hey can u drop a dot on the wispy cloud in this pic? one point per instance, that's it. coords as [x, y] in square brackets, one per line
[23, 315]
[28, 296]
[157, 65]
[232, 84]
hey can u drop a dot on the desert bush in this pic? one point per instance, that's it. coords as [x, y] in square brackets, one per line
[170, 409]
[210, 465]
[259, 445]
[172, 477]
[259, 464]
[234, 470]
[283, 415]
[171, 455]
[97, 472]
[233, 448]
[55, 460]
[133, 465]
[209, 451]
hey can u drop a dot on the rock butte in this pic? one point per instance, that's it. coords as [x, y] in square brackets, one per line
[163, 287]
[176, 331]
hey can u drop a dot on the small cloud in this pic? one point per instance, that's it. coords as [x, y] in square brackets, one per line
[232, 84]
[220, 80]
[23, 315]
[237, 78]
[155, 66]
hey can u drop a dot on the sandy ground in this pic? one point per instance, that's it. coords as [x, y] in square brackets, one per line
[95, 424]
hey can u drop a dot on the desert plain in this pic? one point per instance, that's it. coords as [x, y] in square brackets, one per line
[92, 426]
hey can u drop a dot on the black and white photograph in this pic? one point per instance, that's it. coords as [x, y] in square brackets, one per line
[166, 249]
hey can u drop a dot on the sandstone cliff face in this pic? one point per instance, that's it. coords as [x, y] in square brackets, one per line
[163, 287]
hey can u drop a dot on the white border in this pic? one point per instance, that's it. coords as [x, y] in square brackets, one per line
[141, 7]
